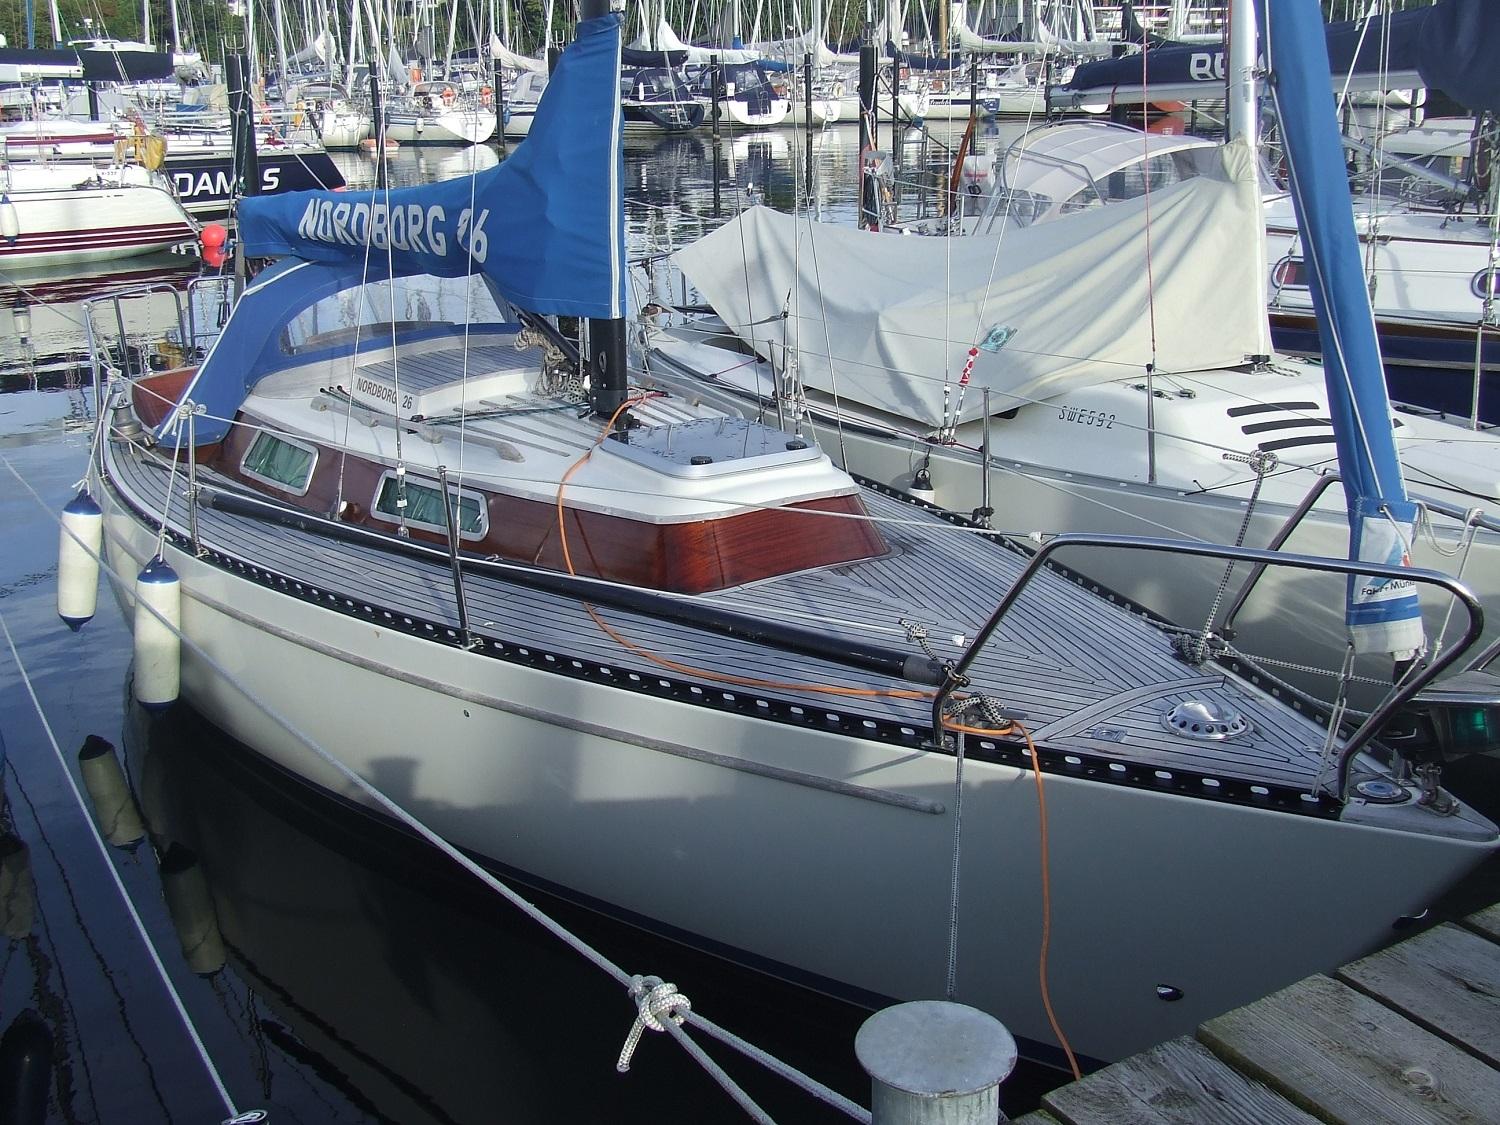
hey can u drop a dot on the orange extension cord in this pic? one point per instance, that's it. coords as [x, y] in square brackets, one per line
[831, 689]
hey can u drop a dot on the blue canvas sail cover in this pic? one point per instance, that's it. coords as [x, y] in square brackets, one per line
[1381, 53]
[1382, 615]
[545, 228]
[545, 225]
[1460, 52]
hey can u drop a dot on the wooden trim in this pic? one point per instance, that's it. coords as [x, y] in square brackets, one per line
[687, 558]
[154, 396]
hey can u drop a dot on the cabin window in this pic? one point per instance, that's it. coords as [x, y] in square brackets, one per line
[1290, 273]
[281, 462]
[424, 507]
[1486, 284]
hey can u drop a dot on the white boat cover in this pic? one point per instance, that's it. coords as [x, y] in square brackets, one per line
[1059, 161]
[796, 47]
[667, 40]
[1049, 308]
[504, 56]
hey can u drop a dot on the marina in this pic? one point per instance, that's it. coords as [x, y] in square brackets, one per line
[629, 539]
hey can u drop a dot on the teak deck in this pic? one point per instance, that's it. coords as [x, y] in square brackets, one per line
[1409, 1035]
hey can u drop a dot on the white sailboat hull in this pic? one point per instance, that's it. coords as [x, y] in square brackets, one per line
[90, 223]
[468, 125]
[607, 794]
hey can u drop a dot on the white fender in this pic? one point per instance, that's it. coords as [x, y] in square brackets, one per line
[78, 547]
[158, 653]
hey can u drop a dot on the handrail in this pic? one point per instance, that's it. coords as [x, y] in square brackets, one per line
[1293, 521]
[1366, 730]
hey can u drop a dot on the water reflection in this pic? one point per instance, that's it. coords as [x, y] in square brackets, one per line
[43, 335]
[386, 976]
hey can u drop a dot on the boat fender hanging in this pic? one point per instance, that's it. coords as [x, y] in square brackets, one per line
[10, 219]
[921, 485]
[114, 806]
[158, 652]
[78, 546]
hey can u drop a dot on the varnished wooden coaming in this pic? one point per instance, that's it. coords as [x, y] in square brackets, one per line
[683, 557]
[154, 397]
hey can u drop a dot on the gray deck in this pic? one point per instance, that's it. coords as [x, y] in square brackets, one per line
[1088, 676]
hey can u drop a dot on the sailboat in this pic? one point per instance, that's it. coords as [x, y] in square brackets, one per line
[990, 369]
[678, 666]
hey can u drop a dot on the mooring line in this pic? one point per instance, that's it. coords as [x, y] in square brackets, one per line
[235, 1114]
[778, 1067]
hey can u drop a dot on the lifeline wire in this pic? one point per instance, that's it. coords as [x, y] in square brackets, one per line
[588, 952]
[235, 1115]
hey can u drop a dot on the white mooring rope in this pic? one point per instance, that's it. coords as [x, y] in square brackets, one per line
[236, 1116]
[782, 1069]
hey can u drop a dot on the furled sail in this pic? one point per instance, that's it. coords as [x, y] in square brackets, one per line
[1382, 615]
[1379, 53]
[544, 226]
[1048, 307]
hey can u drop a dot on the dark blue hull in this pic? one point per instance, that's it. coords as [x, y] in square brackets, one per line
[203, 181]
[1425, 365]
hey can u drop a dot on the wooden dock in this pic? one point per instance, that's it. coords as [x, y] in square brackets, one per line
[1409, 1035]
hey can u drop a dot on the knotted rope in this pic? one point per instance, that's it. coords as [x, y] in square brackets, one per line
[654, 998]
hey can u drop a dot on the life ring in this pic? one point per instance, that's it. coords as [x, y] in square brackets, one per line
[447, 95]
[486, 95]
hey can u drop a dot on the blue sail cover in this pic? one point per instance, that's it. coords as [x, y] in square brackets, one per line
[545, 225]
[1358, 48]
[1460, 52]
[1382, 616]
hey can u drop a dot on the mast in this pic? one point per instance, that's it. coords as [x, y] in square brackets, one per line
[1242, 116]
[607, 376]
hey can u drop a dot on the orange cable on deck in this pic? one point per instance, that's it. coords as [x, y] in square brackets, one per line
[672, 665]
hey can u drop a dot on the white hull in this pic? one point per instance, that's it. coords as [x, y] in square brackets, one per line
[459, 126]
[521, 117]
[341, 129]
[91, 222]
[583, 786]
[735, 113]
[911, 106]
[824, 111]
[1102, 487]
[1423, 266]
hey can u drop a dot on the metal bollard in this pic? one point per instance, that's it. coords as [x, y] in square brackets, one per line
[934, 1062]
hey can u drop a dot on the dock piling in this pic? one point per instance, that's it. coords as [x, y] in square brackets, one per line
[934, 1062]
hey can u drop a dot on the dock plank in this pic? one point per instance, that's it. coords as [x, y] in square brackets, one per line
[1486, 922]
[1037, 1117]
[1349, 1060]
[1176, 1083]
[1446, 979]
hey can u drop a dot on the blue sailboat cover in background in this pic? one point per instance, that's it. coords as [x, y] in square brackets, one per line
[546, 225]
[1460, 52]
[1382, 615]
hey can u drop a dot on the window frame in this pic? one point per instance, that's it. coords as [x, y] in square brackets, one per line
[376, 512]
[306, 447]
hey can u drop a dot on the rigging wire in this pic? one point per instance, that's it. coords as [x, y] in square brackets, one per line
[235, 1114]
[462, 859]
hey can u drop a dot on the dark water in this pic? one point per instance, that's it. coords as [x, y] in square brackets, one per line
[363, 978]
